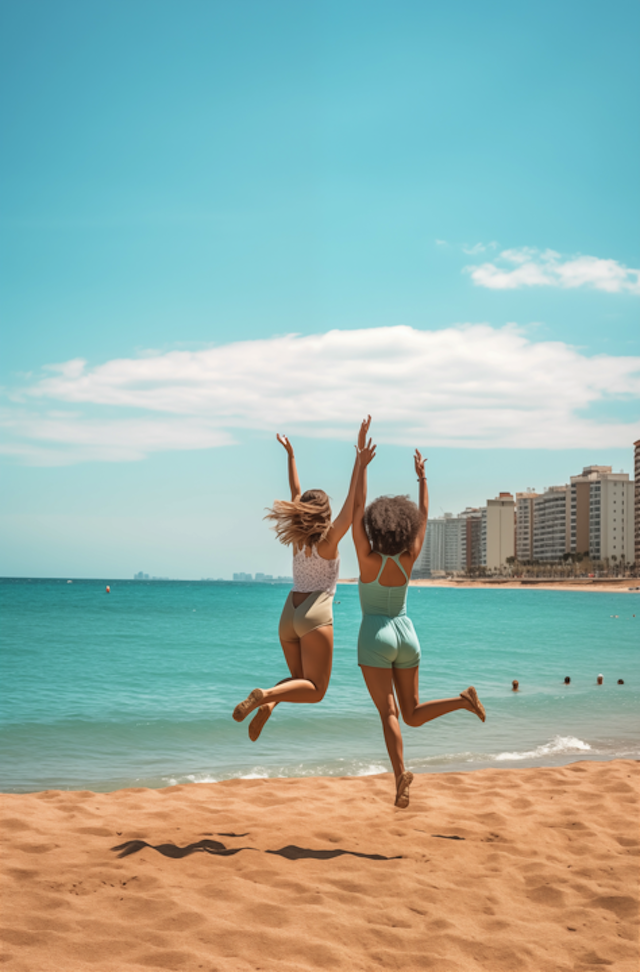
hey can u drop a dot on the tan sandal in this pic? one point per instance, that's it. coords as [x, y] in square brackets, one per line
[470, 695]
[258, 722]
[402, 790]
[243, 709]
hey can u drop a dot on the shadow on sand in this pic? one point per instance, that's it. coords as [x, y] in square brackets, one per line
[291, 852]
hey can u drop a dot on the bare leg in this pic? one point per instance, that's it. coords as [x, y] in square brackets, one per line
[415, 712]
[291, 651]
[316, 655]
[380, 684]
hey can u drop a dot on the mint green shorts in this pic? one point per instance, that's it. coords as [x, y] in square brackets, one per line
[388, 642]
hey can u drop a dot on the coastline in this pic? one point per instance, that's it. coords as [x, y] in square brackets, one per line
[527, 869]
[600, 585]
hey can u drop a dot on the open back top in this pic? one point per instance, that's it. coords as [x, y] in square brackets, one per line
[375, 598]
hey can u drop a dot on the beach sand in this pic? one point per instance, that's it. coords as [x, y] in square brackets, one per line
[609, 585]
[496, 870]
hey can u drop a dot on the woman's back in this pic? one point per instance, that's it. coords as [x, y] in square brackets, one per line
[386, 599]
[311, 572]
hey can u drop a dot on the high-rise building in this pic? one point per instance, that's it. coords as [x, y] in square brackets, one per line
[498, 531]
[636, 511]
[524, 525]
[444, 546]
[472, 517]
[552, 524]
[602, 514]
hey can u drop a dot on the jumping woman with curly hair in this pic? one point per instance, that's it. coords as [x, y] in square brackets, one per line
[388, 536]
[306, 624]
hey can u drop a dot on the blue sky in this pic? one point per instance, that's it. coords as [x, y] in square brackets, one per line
[219, 221]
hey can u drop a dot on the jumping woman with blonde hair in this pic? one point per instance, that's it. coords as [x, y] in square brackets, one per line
[388, 537]
[306, 624]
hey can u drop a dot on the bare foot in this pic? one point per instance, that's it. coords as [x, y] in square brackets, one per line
[471, 696]
[252, 700]
[402, 790]
[257, 723]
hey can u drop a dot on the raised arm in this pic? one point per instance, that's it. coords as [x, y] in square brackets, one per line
[423, 502]
[360, 538]
[294, 481]
[344, 518]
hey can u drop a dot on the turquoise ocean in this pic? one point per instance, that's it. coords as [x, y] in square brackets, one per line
[136, 687]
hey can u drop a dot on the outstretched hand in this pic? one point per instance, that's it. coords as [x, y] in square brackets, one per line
[283, 440]
[362, 434]
[366, 454]
[419, 464]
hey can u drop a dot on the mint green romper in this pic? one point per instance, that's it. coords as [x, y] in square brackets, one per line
[387, 638]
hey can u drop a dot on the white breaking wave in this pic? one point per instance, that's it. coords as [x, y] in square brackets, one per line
[372, 770]
[190, 778]
[557, 746]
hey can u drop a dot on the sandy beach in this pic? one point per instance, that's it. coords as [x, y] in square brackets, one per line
[614, 585]
[494, 870]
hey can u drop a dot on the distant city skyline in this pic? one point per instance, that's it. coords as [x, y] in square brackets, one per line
[595, 515]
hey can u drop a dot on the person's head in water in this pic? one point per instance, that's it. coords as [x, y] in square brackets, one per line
[600, 679]
[304, 521]
[620, 681]
[392, 524]
[567, 680]
[515, 685]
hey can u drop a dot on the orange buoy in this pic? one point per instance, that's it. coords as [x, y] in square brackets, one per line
[108, 589]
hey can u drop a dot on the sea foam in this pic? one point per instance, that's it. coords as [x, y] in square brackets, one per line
[559, 745]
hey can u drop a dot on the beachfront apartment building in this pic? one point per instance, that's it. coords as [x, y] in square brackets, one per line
[597, 513]
[498, 531]
[524, 525]
[602, 514]
[636, 504]
[477, 537]
[431, 553]
[444, 547]
[552, 524]
[473, 517]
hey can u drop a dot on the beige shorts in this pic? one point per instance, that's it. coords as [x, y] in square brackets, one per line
[315, 611]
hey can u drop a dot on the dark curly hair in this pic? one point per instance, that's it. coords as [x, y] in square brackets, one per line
[392, 524]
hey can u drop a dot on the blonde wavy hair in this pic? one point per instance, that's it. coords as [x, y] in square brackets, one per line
[304, 521]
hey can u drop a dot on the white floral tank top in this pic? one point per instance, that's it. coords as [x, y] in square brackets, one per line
[314, 573]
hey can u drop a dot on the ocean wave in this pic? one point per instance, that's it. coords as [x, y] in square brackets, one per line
[191, 778]
[558, 746]
[371, 770]
[556, 751]
[337, 767]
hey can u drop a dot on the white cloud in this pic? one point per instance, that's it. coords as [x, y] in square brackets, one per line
[528, 267]
[472, 386]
